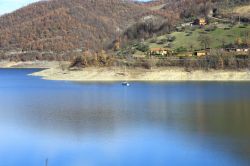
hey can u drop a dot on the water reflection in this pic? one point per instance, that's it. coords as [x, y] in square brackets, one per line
[145, 124]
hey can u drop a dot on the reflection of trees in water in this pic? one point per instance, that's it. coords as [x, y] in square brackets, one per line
[224, 119]
[228, 121]
[81, 116]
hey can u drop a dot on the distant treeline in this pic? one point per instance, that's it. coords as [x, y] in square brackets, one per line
[206, 63]
[215, 60]
[189, 63]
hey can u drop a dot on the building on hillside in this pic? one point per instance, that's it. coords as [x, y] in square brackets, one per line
[239, 50]
[200, 53]
[247, 50]
[242, 49]
[200, 22]
[160, 51]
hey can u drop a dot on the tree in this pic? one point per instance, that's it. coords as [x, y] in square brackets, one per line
[205, 41]
[142, 47]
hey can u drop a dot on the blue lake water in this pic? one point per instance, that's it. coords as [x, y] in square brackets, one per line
[149, 124]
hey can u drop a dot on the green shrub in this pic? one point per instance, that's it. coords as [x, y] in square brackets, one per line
[180, 49]
[154, 40]
[142, 47]
[162, 41]
[171, 38]
[210, 28]
[242, 26]
[193, 28]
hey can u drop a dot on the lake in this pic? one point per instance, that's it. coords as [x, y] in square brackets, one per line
[150, 124]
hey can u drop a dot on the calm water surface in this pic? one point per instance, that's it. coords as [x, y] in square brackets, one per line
[150, 124]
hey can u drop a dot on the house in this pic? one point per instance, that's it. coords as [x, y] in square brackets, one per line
[242, 50]
[200, 21]
[238, 50]
[246, 50]
[160, 51]
[200, 53]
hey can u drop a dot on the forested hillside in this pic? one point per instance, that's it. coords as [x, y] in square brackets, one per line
[63, 25]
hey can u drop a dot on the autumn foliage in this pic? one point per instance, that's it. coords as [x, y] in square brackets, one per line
[64, 25]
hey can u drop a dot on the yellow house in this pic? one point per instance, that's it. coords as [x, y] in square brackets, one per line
[160, 51]
[242, 51]
[200, 53]
[202, 21]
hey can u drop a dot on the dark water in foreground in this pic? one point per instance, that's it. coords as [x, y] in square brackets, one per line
[89, 124]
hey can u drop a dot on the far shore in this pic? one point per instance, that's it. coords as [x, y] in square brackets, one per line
[138, 74]
[55, 71]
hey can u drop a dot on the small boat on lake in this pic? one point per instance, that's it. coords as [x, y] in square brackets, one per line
[125, 84]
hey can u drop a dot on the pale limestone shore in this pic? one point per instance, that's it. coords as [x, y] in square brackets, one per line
[54, 71]
[157, 74]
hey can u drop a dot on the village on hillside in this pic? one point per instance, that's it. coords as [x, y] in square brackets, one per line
[157, 33]
[202, 36]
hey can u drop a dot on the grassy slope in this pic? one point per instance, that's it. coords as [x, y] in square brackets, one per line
[229, 36]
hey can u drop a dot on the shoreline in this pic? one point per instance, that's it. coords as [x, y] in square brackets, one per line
[54, 71]
[142, 75]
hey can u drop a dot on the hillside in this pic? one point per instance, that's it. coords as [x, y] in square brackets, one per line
[190, 39]
[66, 25]
[222, 27]
[62, 29]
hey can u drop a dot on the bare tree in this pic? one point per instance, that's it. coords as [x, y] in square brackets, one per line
[205, 41]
